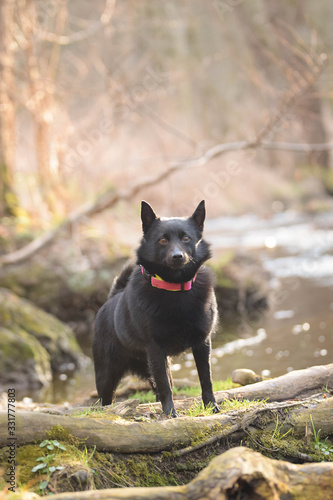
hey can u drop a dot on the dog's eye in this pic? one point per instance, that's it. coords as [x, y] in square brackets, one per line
[163, 241]
[186, 238]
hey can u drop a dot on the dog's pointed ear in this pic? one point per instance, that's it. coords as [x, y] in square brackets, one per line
[147, 216]
[199, 215]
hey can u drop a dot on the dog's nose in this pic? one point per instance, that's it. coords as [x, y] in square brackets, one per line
[177, 256]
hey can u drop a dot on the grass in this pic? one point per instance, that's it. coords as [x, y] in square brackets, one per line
[186, 392]
[277, 436]
[324, 447]
[197, 409]
[144, 396]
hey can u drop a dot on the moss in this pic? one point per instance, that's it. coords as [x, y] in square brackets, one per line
[74, 458]
[204, 434]
[34, 325]
[100, 412]
[62, 434]
[287, 447]
[47, 282]
[26, 458]
[51, 332]
[22, 358]
[107, 470]
[145, 472]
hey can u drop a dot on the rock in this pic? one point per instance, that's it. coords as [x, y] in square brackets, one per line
[32, 343]
[71, 289]
[73, 477]
[23, 360]
[80, 478]
[241, 285]
[244, 376]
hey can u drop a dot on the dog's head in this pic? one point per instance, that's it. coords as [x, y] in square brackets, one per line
[173, 248]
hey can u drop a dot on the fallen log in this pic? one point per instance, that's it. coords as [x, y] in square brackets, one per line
[237, 473]
[181, 433]
[114, 435]
[287, 386]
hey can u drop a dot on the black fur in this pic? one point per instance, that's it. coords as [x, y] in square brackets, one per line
[140, 326]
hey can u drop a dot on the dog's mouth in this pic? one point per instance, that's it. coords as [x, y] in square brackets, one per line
[178, 261]
[176, 265]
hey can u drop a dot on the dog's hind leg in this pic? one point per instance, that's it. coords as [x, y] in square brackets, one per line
[107, 381]
[111, 363]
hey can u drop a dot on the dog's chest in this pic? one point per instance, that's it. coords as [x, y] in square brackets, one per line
[178, 328]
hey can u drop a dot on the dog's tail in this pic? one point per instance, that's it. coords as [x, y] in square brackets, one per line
[120, 282]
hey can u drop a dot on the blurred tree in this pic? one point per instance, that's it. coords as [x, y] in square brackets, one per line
[8, 199]
[86, 80]
[288, 52]
[301, 51]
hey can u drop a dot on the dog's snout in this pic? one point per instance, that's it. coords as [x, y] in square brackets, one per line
[177, 256]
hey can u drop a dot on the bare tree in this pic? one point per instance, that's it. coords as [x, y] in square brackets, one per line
[8, 199]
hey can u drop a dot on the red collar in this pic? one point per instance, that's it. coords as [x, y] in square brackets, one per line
[158, 282]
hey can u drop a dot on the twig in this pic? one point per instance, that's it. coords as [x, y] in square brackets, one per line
[91, 30]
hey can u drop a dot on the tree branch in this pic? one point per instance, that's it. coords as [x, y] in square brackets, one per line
[112, 197]
[103, 21]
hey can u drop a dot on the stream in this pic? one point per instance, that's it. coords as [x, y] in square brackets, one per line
[294, 333]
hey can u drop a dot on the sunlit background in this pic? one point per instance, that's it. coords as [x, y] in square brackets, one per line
[105, 103]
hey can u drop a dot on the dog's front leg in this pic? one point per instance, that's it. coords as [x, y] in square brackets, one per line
[201, 353]
[158, 367]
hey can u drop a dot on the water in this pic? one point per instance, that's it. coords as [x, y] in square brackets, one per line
[297, 330]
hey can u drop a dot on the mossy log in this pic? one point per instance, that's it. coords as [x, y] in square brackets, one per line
[184, 433]
[237, 473]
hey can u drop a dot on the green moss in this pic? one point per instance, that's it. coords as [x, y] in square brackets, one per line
[35, 325]
[23, 355]
[145, 472]
[63, 435]
[26, 458]
[75, 457]
[202, 435]
[102, 413]
[282, 445]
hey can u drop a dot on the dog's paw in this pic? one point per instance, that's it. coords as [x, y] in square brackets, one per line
[216, 408]
[172, 413]
[213, 406]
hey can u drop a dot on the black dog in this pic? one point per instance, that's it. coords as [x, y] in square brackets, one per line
[158, 308]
